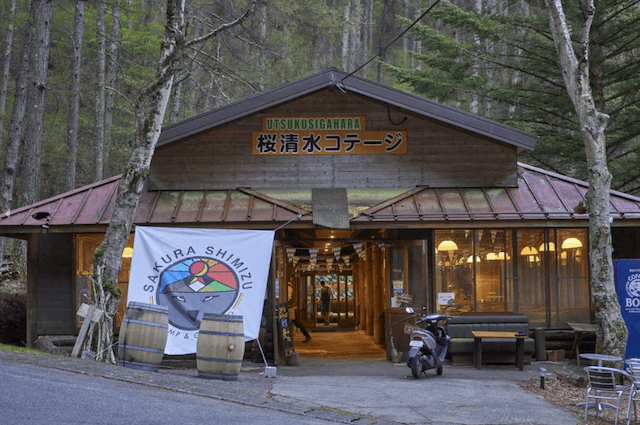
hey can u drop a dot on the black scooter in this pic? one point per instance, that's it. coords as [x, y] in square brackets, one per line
[428, 346]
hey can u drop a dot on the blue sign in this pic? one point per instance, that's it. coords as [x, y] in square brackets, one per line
[627, 274]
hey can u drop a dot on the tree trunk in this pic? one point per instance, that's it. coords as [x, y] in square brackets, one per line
[12, 146]
[174, 109]
[36, 90]
[3, 99]
[98, 153]
[111, 75]
[74, 102]
[611, 329]
[150, 109]
[6, 67]
[345, 36]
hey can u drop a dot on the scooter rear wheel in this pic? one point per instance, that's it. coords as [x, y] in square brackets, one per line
[416, 367]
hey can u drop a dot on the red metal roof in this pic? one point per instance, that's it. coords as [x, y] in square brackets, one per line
[93, 205]
[540, 195]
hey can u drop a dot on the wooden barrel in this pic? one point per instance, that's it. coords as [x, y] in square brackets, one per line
[143, 336]
[220, 347]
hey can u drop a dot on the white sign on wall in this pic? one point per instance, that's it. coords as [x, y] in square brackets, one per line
[444, 297]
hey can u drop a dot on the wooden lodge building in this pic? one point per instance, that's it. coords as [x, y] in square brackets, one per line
[374, 190]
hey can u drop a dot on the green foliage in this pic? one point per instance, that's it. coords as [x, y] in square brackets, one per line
[504, 60]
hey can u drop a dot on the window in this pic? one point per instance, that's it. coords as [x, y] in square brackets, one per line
[540, 273]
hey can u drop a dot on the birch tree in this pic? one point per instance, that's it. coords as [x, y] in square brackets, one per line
[150, 108]
[610, 327]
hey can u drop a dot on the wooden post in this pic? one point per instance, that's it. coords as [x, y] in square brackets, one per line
[32, 289]
[369, 289]
[378, 326]
[90, 314]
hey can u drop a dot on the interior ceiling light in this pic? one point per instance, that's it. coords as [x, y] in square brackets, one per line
[551, 245]
[529, 250]
[571, 243]
[447, 246]
[470, 259]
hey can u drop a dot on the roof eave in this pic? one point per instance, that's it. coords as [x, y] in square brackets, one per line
[355, 84]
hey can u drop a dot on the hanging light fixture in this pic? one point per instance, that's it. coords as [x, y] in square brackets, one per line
[570, 243]
[470, 259]
[447, 245]
[529, 250]
[551, 245]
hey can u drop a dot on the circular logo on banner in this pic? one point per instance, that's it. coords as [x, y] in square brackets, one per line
[194, 286]
[633, 286]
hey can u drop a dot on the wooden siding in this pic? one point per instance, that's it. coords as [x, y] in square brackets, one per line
[54, 285]
[439, 155]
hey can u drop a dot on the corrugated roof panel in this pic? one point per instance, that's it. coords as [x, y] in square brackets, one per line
[476, 201]
[452, 202]
[165, 207]
[525, 202]
[543, 191]
[214, 206]
[96, 204]
[428, 202]
[501, 203]
[568, 193]
[238, 207]
[145, 206]
[261, 210]
[15, 219]
[406, 207]
[190, 206]
[630, 208]
[68, 209]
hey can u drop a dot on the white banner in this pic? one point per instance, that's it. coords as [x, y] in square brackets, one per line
[197, 271]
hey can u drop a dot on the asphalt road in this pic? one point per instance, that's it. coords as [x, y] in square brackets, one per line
[32, 394]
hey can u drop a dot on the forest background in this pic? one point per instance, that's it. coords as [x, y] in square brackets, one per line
[73, 70]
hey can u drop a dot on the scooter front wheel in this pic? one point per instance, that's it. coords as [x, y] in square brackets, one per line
[439, 370]
[416, 367]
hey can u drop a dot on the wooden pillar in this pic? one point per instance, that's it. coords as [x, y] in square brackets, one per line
[363, 294]
[378, 326]
[369, 289]
[32, 288]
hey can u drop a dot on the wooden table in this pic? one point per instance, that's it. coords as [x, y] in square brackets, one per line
[581, 331]
[478, 336]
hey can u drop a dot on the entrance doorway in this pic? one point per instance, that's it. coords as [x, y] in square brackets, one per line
[342, 306]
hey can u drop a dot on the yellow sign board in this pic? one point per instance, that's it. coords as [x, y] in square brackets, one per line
[341, 135]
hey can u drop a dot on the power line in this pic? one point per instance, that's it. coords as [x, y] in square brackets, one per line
[394, 40]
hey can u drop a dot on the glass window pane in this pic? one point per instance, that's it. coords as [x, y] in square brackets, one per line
[397, 273]
[454, 268]
[532, 256]
[491, 282]
[570, 286]
[417, 275]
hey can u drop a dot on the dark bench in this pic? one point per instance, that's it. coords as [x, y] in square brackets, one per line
[495, 350]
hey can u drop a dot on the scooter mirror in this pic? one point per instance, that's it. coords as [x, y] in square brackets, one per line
[451, 302]
[409, 310]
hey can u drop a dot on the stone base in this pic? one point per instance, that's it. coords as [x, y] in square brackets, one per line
[293, 359]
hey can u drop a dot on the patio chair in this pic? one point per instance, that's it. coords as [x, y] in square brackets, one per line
[634, 370]
[603, 385]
